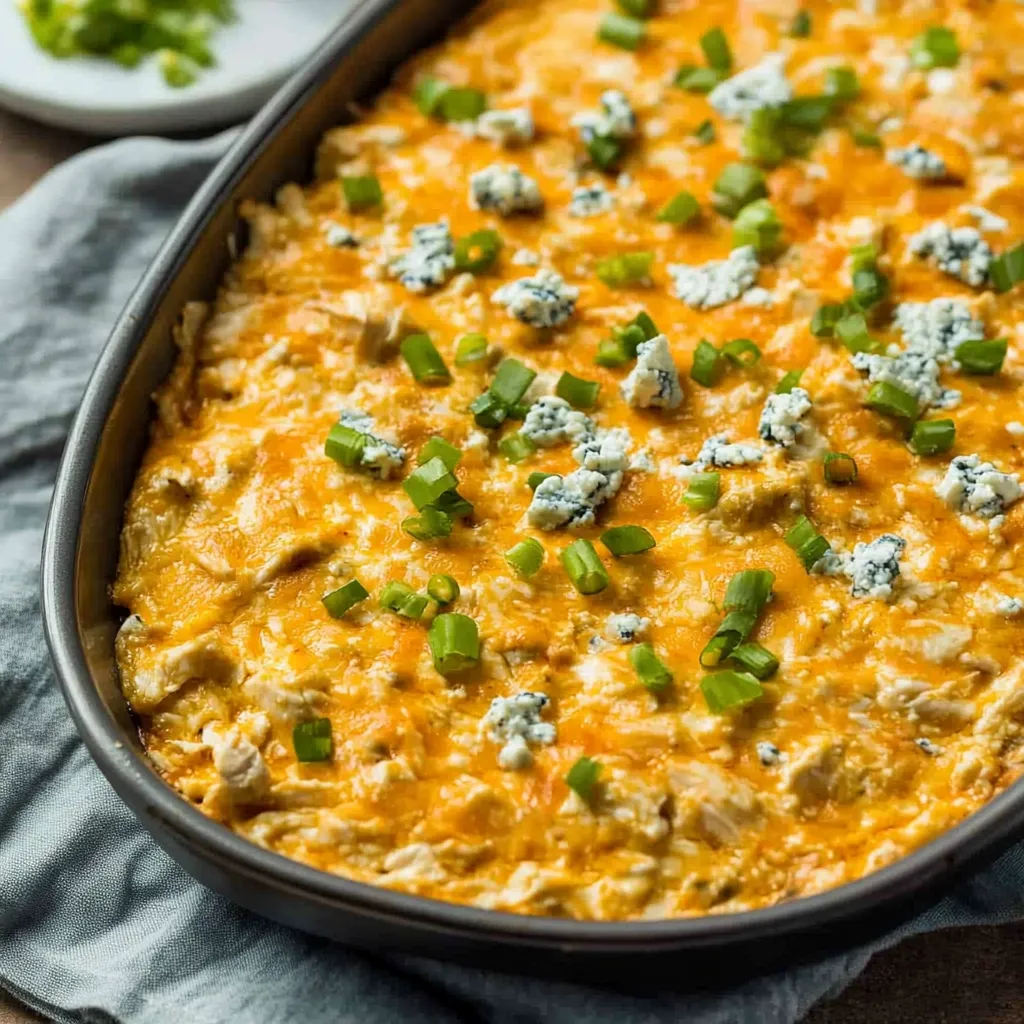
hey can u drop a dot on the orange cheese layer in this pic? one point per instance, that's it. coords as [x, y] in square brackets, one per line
[894, 715]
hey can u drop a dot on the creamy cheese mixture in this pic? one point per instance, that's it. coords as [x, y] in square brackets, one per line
[862, 241]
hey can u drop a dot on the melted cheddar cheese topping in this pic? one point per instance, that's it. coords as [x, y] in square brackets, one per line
[897, 706]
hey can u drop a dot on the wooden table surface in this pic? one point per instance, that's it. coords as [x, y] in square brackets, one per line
[968, 976]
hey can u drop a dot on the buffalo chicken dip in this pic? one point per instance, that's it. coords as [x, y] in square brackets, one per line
[598, 493]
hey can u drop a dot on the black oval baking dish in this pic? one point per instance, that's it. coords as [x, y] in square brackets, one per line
[80, 558]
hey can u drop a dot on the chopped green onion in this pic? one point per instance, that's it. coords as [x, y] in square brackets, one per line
[526, 557]
[516, 447]
[763, 138]
[576, 391]
[852, 331]
[443, 589]
[453, 504]
[808, 113]
[870, 286]
[823, 323]
[734, 629]
[646, 325]
[508, 386]
[716, 49]
[439, 448]
[930, 437]
[757, 660]
[429, 524]
[625, 269]
[605, 152]
[749, 591]
[936, 47]
[704, 133]
[584, 567]
[1007, 268]
[758, 224]
[401, 599]
[742, 352]
[619, 349]
[737, 186]
[477, 252]
[345, 445]
[312, 740]
[427, 95]
[424, 360]
[454, 643]
[841, 82]
[805, 541]
[650, 669]
[621, 30]
[839, 468]
[863, 257]
[535, 479]
[865, 138]
[470, 348]
[707, 364]
[694, 79]
[702, 492]
[339, 601]
[893, 401]
[461, 104]
[488, 410]
[790, 380]
[800, 26]
[728, 689]
[362, 192]
[982, 357]
[428, 482]
[627, 540]
[582, 777]
[638, 8]
[511, 381]
[680, 209]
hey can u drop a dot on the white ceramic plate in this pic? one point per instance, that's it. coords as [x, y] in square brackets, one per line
[255, 54]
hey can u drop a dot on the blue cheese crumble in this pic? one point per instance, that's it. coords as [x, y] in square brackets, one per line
[571, 500]
[874, 567]
[544, 300]
[960, 252]
[506, 127]
[936, 328]
[552, 421]
[624, 628]
[716, 282]
[978, 488]
[590, 201]
[504, 189]
[430, 260]
[917, 162]
[763, 85]
[654, 380]
[781, 417]
[516, 723]
[337, 236]
[717, 451]
[615, 119]
[913, 372]
[606, 451]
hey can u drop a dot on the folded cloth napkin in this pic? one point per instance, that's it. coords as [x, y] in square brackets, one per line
[96, 922]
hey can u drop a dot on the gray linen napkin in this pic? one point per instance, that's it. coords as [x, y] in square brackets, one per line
[96, 922]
